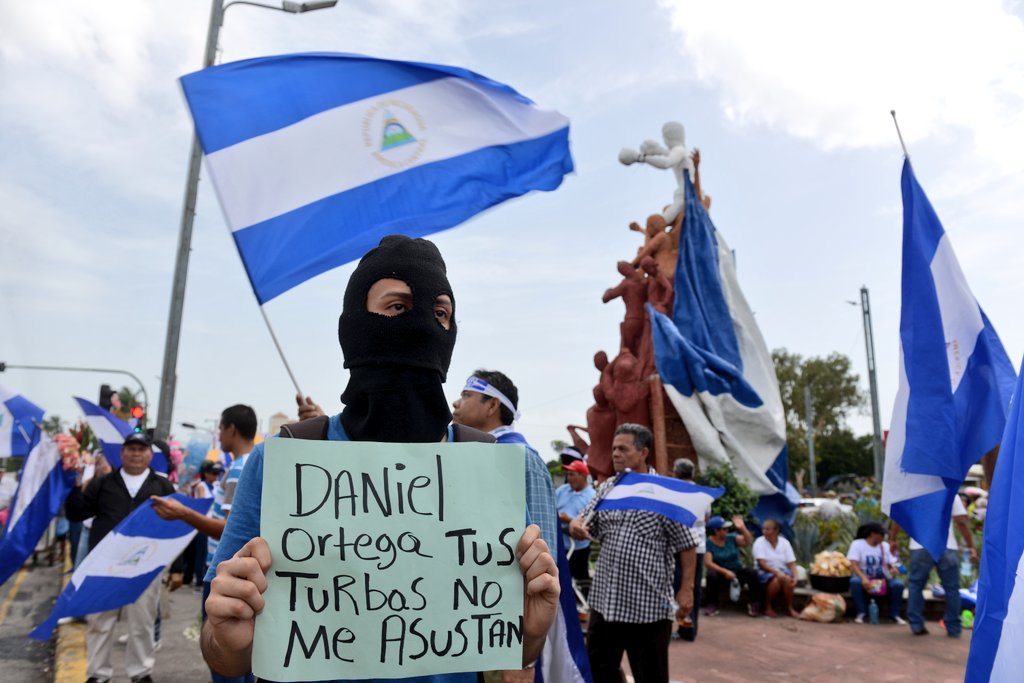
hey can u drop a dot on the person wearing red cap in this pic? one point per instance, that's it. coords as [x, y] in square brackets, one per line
[571, 497]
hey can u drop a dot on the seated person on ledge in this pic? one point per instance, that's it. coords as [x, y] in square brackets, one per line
[776, 567]
[871, 562]
[724, 565]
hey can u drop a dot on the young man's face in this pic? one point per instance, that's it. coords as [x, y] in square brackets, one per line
[392, 297]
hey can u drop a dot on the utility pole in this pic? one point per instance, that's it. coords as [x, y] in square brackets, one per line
[876, 420]
[809, 417]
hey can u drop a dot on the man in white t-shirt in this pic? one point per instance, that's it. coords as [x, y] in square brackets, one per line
[948, 566]
[870, 559]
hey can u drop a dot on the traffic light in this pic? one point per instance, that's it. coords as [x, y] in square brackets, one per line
[138, 412]
[106, 394]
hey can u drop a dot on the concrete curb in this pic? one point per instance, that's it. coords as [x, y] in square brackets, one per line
[69, 661]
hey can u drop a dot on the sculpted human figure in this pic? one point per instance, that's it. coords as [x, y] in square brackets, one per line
[659, 295]
[633, 291]
[659, 243]
[631, 390]
[673, 155]
[601, 430]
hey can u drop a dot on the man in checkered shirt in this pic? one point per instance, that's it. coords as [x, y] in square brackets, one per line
[631, 599]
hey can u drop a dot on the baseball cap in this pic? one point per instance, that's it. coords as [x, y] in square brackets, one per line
[137, 437]
[577, 466]
[717, 522]
[211, 466]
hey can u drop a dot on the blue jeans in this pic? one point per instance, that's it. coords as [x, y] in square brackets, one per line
[921, 564]
[860, 598]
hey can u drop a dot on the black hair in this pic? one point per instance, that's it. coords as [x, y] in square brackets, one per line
[865, 530]
[502, 383]
[642, 437]
[242, 418]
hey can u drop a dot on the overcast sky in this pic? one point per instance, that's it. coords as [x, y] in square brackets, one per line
[788, 102]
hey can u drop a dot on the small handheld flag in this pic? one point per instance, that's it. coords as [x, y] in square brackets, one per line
[111, 431]
[316, 157]
[678, 500]
[124, 563]
[19, 423]
[43, 486]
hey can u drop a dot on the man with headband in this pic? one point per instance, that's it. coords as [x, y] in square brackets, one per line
[489, 402]
[397, 333]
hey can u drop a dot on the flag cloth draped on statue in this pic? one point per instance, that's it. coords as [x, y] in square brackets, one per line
[955, 380]
[19, 422]
[42, 488]
[111, 430]
[997, 654]
[117, 571]
[715, 365]
[675, 499]
[315, 157]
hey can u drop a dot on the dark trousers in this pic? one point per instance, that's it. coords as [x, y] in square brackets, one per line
[716, 584]
[579, 569]
[646, 645]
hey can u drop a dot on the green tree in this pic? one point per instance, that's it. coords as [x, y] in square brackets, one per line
[834, 397]
[738, 499]
[52, 425]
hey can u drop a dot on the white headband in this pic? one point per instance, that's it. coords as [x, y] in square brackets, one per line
[476, 384]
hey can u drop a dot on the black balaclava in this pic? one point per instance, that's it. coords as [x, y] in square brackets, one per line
[397, 364]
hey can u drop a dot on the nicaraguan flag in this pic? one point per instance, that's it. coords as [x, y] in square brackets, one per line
[111, 430]
[42, 488]
[315, 157]
[997, 646]
[564, 658]
[955, 380]
[19, 423]
[117, 571]
[669, 497]
[715, 365]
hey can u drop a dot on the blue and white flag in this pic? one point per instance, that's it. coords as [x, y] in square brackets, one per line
[715, 365]
[678, 500]
[997, 646]
[564, 658]
[316, 157]
[42, 488]
[111, 431]
[120, 568]
[955, 380]
[19, 423]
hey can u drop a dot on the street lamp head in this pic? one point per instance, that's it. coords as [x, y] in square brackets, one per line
[309, 6]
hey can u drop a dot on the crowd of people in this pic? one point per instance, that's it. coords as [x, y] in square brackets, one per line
[397, 332]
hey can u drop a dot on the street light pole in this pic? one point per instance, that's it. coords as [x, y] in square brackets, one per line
[811, 459]
[869, 344]
[169, 376]
[106, 371]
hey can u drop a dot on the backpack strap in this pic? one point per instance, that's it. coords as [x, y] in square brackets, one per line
[464, 433]
[314, 429]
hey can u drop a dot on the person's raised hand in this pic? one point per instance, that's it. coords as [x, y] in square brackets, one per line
[236, 595]
[307, 407]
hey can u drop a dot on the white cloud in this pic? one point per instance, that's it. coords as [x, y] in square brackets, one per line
[830, 73]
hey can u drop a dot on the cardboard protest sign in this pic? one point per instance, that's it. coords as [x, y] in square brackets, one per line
[390, 560]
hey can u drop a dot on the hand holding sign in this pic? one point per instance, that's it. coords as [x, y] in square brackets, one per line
[236, 597]
[540, 592]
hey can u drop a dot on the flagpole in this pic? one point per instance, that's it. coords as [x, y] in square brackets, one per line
[900, 135]
[280, 352]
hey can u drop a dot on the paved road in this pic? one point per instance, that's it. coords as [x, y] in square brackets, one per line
[733, 647]
[25, 602]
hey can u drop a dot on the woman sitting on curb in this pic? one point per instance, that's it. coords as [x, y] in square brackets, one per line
[723, 564]
[776, 567]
